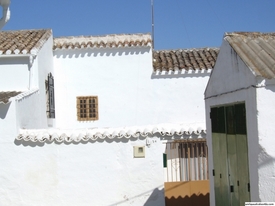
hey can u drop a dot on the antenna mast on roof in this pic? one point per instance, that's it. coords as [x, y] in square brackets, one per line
[152, 7]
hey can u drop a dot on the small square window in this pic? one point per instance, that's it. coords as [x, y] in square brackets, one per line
[85, 110]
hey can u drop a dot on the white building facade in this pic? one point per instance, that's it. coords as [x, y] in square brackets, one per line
[116, 104]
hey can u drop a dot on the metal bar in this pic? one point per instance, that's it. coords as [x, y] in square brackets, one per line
[180, 160]
[189, 159]
[203, 162]
[199, 160]
[176, 161]
[206, 159]
[194, 161]
[167, 168]
[171, 162]
[184, 160]
[189, 168]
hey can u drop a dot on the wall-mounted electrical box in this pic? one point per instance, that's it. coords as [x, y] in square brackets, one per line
[139, 151]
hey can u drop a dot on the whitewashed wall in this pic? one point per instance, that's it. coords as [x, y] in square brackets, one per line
[29, 113]
[128, 91]
[31, 109]
[97, 173]
[27, 110]
[15, 73]
[44, 67]
[266, 131]
[26, 73]
[129, 94]
[7, 122]
[7, 148]
[101, 172]
[230, 83]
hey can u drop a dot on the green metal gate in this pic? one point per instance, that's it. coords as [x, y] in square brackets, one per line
[230, 155]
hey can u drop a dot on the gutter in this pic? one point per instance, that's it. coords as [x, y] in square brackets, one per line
[31, 59]
[30, 56]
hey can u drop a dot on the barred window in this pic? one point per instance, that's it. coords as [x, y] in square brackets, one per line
[186, 160]
[87, 108]
[50, 96]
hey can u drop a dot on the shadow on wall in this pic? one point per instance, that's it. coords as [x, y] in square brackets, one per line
[155, 199]
[265, 160]
[99, 140]
[4, 110]
[194, 200]
[101, 52]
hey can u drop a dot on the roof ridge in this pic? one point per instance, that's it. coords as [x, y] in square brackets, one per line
[187, 49]
[41, 41]
[20, 30]
[108, 41]
[104, 35]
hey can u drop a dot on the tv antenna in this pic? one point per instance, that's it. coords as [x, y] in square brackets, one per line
[5, 12]
[153, 25]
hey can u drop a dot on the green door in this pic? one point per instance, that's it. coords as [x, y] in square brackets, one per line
[229, 141]
[242, 154]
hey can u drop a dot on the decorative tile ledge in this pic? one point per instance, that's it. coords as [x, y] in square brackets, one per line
[66, 135]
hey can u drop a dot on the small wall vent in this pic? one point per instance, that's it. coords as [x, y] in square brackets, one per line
[139, 151]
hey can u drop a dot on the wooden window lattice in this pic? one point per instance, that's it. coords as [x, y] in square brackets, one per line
[87, 108]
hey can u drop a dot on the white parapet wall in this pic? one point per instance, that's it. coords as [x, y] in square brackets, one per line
[101, 170]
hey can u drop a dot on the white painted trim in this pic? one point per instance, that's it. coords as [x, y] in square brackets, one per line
[25, 94]
[30, 56]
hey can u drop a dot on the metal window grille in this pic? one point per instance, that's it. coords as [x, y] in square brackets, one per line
[50, 96]
[87, 108]
[186, 161]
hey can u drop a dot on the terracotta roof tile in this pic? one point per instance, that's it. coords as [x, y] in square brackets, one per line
[166, 60]
[108, 41]
[5, 96]
[23, 41]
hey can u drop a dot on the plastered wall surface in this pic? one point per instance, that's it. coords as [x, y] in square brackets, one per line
[232, 73]
[266, 157]
[128, 91]
[15, 73]
[98, 173]
[101, 172]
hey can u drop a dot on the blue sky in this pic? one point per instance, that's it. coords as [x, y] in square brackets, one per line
[178, 23]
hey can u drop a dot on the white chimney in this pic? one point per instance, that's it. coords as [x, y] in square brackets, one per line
[5, 12]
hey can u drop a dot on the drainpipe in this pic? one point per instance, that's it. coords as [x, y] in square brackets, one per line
[5, 12]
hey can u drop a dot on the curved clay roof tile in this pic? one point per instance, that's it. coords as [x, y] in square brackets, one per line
[163, 61]
[169, 65]
[102, 44]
